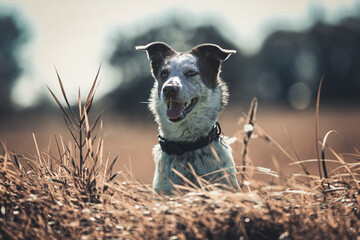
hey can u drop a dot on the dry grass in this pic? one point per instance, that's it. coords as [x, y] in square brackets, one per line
[74, 193]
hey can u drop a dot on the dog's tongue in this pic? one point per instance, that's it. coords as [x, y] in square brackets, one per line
[174, 110]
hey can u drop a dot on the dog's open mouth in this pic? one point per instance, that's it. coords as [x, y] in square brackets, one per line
[177, 111]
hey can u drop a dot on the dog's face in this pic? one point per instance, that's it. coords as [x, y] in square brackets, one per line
[187, 83]
[178, 84]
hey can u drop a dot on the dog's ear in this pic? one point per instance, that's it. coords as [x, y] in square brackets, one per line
[210, 57]
[213, 51]
[157, 52]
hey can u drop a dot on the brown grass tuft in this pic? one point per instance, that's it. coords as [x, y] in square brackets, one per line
[73, 193]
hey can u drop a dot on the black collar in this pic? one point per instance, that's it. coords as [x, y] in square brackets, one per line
[179, 148]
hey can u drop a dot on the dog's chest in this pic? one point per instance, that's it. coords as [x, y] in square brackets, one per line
[202, 162]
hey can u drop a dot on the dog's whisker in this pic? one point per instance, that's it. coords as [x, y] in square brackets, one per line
[148, 116]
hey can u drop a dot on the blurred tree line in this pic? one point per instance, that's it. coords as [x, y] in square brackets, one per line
[12, 37]
[287, 69]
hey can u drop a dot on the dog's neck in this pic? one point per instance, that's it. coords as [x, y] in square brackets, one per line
[188, 130]
[179, 148]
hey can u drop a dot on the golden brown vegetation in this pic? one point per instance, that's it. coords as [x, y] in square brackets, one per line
[74, 193]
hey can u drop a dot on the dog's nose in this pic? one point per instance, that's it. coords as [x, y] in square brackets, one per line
[170, 90]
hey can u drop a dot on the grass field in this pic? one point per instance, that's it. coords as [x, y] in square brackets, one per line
[134, 138]
[60, 185]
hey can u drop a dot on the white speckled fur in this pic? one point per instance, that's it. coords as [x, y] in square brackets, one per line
[197, 124]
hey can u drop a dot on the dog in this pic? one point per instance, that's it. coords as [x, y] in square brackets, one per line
[186, 100]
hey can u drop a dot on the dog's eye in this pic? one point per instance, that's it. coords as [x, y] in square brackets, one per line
[191, 73]
[164, 74]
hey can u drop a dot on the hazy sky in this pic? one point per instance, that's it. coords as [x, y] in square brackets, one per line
[75, 35]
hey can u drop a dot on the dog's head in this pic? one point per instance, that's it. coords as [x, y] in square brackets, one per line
[186, 82]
